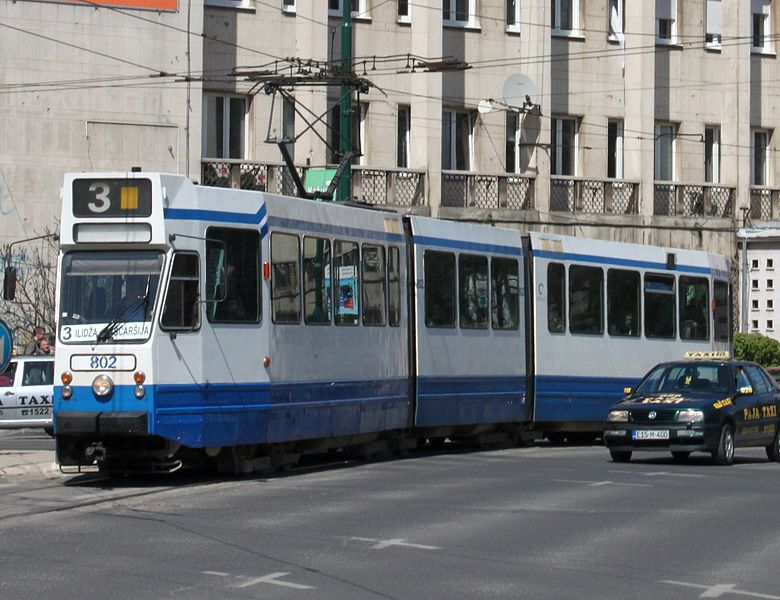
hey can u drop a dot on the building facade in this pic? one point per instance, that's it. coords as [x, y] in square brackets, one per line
[648, 122]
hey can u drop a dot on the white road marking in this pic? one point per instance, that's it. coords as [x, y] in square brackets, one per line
[718, 590]
[273, 579]
[382, 544]
[602, 483]
[659, 474]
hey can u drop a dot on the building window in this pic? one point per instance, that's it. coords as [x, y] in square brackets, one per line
[457, 140]
[664, 151]
[770, 284]
[336, 8]
[754, 304]
[512, 135]
[404, 12]
[770, 304]
[513, 15]
[224, 126]
[563, 150]
[759, 151]
[665, 21]
[770, 264]
[754, 284]
[460, 13]
[770, 325]
[713, 24]
[712, 154]
[359, 112]
[288, 6]
[615, 149]
[565, 16]
[403, 136]
[761, 26]
[754, 264]
[754, 324]
[617, 19]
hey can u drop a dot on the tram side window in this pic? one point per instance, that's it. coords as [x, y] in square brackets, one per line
[556, 297]
[694, 308]
[317, 299]
[722, 322]
[473, 291]
[505, 293]
[233, 275]
[346, 263]
[374, 293]
[285, 279]
[659, 306]
[394, 284]
[623, 290]
[439, 289]
[586, 300]
[181, 310]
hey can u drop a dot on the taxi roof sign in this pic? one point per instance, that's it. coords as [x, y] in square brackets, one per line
[711, 355]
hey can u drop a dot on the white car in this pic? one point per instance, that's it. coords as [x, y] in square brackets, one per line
[26, 392]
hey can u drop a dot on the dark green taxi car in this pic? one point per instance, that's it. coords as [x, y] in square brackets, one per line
[705, 403]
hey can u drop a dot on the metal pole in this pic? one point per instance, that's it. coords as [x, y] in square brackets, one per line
[345, 122]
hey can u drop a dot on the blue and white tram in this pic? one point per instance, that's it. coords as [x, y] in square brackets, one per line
[202, 324]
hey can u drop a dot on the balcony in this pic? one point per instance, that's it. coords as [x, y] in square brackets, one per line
[601, 196]
[693, 200]
[387, 187]
[763, 203]
[466, 189]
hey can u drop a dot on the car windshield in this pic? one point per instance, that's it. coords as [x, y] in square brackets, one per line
[99, 288]
[688, 378]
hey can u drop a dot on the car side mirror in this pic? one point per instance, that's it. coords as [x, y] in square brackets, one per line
[745, 391]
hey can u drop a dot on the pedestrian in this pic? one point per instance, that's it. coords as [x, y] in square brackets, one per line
[32, 346]
[44, 348]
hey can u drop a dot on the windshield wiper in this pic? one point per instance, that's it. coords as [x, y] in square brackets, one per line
[114, 324]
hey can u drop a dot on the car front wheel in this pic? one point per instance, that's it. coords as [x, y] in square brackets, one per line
[724, 455]
[773, 449]
[621, 456]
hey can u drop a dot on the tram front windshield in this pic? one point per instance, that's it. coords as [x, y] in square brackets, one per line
[108, 295]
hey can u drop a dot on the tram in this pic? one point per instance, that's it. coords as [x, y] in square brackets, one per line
[206, 325]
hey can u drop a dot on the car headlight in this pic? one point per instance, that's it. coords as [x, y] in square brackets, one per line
[690, 415]
[102, 386]
[617, 416]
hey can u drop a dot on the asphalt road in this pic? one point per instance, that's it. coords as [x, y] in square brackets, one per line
[25, 439]
[541, 522]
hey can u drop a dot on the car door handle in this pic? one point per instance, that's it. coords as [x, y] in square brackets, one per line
[8, 394]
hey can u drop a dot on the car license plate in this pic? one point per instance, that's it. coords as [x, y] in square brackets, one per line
[651, 434]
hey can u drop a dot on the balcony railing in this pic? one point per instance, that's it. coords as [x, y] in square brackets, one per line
[393, 187]
[580, 194]
[461, 189]
[693, 200]
[763, 203]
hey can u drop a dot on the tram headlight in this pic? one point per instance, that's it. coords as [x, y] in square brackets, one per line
[690, 415]
[139, 391]
[617, 416]
[66, 392]
[102, 386]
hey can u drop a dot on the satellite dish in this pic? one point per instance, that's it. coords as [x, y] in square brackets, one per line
[486, 106]
[519, 91]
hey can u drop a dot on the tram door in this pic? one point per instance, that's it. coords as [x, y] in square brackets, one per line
[469, 332]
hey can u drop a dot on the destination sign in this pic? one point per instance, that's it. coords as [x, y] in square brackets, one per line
[112, 198]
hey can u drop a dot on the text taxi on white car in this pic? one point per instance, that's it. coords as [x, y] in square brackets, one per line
[26, 389]
[707, 402]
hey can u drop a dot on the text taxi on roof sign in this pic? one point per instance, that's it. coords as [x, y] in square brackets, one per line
[707, 402]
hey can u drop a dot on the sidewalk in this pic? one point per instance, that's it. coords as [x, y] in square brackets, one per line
[38, 463]
[16, 462]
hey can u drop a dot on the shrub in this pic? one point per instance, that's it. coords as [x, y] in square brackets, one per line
[756, 347]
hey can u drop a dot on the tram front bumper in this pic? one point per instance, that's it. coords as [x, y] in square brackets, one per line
[102, 423]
